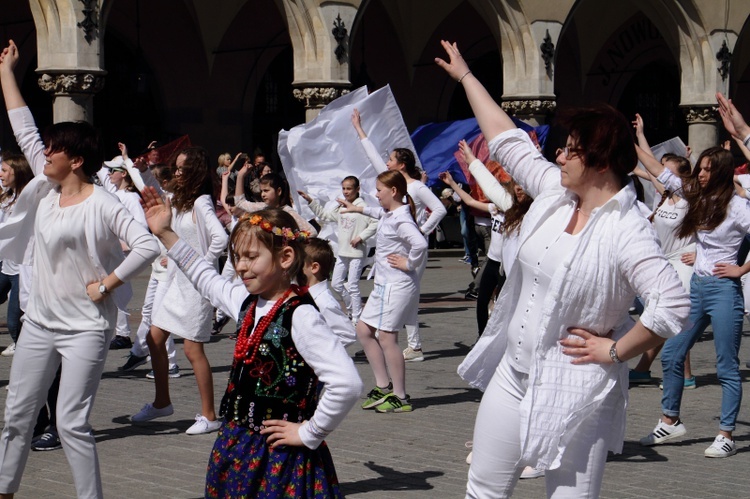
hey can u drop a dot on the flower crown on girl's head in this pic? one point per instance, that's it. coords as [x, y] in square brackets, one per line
[284, 232]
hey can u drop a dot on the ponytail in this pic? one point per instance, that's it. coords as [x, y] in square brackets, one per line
[664, 196]
[412, 208]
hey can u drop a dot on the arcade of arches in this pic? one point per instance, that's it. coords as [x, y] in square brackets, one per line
[232, 73]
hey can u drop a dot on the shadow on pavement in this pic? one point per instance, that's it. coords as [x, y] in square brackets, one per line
[390, 479]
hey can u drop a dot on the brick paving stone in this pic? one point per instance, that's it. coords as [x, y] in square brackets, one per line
[417, 455]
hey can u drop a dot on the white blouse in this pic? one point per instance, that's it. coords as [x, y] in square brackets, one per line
[102, 229]
[721, 244]
[397, 234]
[538, 260]
[422, 196]
[314, 340]
[616, 258]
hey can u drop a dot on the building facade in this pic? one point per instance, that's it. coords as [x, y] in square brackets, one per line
[231, 73]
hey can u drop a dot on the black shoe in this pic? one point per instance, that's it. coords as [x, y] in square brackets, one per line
[219, 325]
[133, 362]
[360, 354]
[474, 271]
[471, 295]
[48, 441]
[120, 343]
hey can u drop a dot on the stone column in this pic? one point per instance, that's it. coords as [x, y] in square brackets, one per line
[73, 93]
[703, 126]
[534, 112]
[315, 98]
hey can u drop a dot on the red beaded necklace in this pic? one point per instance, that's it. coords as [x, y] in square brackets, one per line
[247, 342]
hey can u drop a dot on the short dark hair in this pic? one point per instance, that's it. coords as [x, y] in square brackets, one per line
[604, 138]
[77, 139]
[319, 250]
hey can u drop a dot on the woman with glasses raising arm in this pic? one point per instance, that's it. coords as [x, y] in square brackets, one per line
[552, 358]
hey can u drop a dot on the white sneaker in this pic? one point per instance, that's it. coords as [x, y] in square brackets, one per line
[529, 472]
[664, 432]
[411, 355]
[9, 350]
[469, 445]
[150, 412]
[722, 447]
[203, 425]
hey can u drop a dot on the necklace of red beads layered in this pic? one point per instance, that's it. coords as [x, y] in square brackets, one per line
[250, 341]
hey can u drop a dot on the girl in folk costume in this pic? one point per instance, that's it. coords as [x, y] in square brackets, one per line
[271, 440]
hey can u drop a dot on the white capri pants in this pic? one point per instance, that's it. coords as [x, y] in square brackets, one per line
[496, 452]
[412, 323]
[154, 294]
[348, 270]
[38, 354]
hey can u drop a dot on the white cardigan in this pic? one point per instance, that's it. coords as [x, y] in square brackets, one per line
[351, 225]
[617, 257]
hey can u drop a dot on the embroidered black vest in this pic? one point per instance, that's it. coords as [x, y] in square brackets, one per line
[279, 384]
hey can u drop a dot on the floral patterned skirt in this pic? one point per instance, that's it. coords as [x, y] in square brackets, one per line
[243, 466]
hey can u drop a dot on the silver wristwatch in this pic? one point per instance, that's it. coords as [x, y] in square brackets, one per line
[613, 354]
[102, 289]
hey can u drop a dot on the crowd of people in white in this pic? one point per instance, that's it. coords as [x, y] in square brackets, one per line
[572, 248]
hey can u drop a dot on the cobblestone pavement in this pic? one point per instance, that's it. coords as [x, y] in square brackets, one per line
[416, 455]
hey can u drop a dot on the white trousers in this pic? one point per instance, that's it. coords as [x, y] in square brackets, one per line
[496, 453]
[154, 294]
[412, 325]
[38, 354]
[123, 326]
[348, 270]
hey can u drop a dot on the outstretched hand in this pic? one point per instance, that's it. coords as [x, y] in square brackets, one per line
[9, 57]
[638, 124]
[305, 196]
[456, 67]
[732, 118]
[447, 178]
[348, 207]
[123, 150]
[158, 216]
[466, 151]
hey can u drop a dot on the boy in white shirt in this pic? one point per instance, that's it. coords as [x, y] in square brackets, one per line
[319, 262]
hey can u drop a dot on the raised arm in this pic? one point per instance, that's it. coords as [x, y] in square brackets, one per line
[465, 196]
[21, 120]
[640, 136]
[640, 173]
[486, 180]
[239, 186]
[491, 118]
[370, 150]
[733, 120]
[11, 92]
[224, 189]
[653, 166]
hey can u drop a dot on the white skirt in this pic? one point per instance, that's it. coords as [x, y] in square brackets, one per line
[390, 306]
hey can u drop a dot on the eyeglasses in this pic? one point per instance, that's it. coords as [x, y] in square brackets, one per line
[569, 152]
